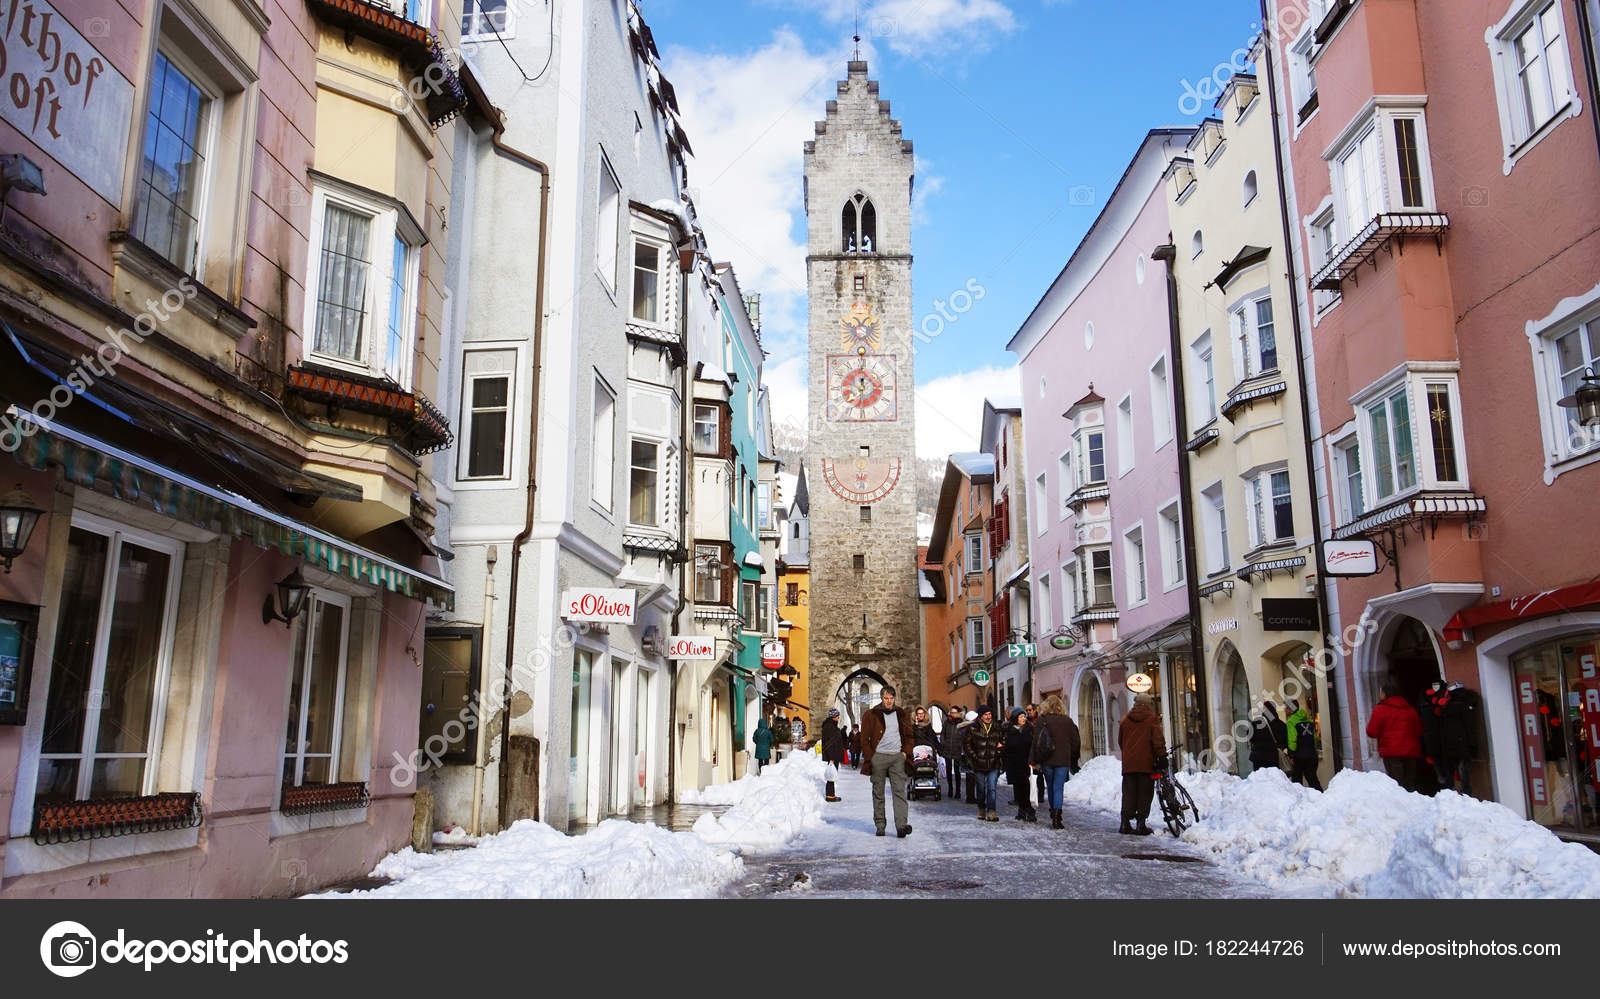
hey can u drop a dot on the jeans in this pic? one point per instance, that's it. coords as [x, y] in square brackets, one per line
[1138, 790]
[1056, 778]
[988, 785]
[890, 767]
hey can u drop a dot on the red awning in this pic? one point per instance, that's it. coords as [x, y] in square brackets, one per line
[1539, 604]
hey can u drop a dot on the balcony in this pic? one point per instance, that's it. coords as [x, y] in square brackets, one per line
[1385, 232]
[1422, 510]
[1086, 493]
[1267, 385]
[1096, 612]
[1203, 438]
[415, 423]
[670, 339]
[384, 22]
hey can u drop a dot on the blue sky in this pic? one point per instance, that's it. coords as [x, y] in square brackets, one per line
[1024, 114]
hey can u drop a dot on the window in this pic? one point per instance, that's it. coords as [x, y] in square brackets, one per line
[791, 594]
[1197, 244]
[644, 483]
[173, 169]
[1383, 166]
[1125, 436]
[602, 440]
[1160, 403]
[707, 424]
[974, 553]
[1214, 512]
[1255, 338]
[1091, 456]
[365, 266]
[764, 505]
[1302, 76]
[859, 225]
[1041, 493]
[1347, 464]
[1393, 462]
[415, 11]
[311, 750]
[1532, 70]
[1251, 188]
[1361, 180]
[1063, 476]
[1172, 558]
[488, 398]
[1133, 550]
[1205, 396]
[1564, 356]
[1271, 507]
[1096, 584]
[1045, 625]
[1442, 431]
[1071, 594]
[608, 211]
[764, 608]
[102, 723]
[859, 283]
[866, 515]
[976, 649]
[749, 605]
[858, 562]
[1324, 241]
[648, 260]
[708, 569]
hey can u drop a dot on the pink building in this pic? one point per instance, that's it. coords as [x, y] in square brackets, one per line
[1102, 467]
[1446, 182]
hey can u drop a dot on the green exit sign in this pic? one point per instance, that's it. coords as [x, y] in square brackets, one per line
[1025, 649]
[980, 677]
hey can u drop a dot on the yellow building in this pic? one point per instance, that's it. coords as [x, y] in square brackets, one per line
[794, 597]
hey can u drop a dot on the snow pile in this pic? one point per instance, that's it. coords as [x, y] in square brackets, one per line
[454, 836]
[1363, 837]
[771, 809]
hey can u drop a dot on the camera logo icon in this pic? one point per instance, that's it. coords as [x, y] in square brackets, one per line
[68, 949]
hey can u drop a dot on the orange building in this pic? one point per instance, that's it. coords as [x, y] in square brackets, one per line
[955, 587]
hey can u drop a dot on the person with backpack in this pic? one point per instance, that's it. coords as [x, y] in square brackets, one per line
[1268, 738]
[1055, 751]
[1302, 746]
[985, 752]
[1398, 729]
[1018, 749]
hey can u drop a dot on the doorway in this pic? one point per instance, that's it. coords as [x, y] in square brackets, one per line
[1558, 703]
[1237, 686]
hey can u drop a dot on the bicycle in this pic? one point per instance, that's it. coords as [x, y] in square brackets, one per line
[1175, 799]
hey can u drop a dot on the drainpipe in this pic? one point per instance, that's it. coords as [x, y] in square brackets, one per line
[1586, 30]
[685, 525]
[480, 755]
[1167, 253]
[1306, 388]
[533, 463]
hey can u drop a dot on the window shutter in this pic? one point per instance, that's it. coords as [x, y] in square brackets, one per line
[730, 577]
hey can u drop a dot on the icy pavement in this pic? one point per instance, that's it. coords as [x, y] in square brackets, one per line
[950, 854]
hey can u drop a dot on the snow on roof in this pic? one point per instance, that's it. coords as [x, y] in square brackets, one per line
[754, 560]
[973, 462]
[924, 587]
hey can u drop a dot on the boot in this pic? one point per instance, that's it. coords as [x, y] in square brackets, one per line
[1055, 819]
[1143, 830]
[1126, 828]
[1022, 813]
[983, 814]
[1033, 814]
[994, 816]
[828, 794]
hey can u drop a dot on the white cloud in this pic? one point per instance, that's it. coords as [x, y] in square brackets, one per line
[927, 184]
[786, 380]
[922, 27]
[950, 409]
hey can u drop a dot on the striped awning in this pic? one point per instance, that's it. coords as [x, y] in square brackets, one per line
[1419, 507]
[94, 464]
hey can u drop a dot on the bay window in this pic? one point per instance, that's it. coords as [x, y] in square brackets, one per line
[709, 565]
[1255, 338]
[974, 553]
[644, 483]
[1393, 458]
[1409, 436]
[1348, 476]
[1091, 448]
[1381, 164]
[649, 282]
[1271, 507]
[707, 431]
[1095, 581]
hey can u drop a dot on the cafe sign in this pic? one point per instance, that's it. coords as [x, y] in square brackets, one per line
[63, 95]
[598, 606]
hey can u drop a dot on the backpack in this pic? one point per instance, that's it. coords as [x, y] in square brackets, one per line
[1044, 744]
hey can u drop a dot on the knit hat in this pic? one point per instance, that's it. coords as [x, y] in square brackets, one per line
[833, 712]
[1017, 711]
[984, 709]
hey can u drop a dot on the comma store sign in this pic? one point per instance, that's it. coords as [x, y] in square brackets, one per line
[62, 94]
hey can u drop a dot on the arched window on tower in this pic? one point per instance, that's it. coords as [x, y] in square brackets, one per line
[859, 223]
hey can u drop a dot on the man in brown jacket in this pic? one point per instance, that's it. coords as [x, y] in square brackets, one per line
[886, 755]
[1144, 751]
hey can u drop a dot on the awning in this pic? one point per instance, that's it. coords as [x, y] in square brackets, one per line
[94, 464]
[1148, 639]
[755, 561]
[1542, 604]
[1020, 573]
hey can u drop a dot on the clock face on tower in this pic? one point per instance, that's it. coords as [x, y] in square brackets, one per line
[862, 481]
[861, 388]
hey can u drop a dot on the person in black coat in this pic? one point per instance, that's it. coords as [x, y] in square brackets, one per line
[833, 749]
[1018, 748]
[1269, 736]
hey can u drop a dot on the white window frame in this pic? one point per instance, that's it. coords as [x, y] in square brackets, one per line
[608, 222]
[1136, 570]
[469, 410]
[1041, 494]
[295, 777]
[1046, 626]
[205, 144]
[1322, 235]
[1066, 476]
[470, 11]
[1214, 510]
[1245, 336]
[1303, 73]
[749, 605]
[1205, 394]
[972, 553]
[1518, 132]
[1567, 446]
[1259, 510]
[1414, 379]
[1161, 422]
[1380, 193]
[1126, 449]
[603, 449]
[1070, 598]
[115, 534]
[664, 282]
[1081, 444]
[1249, 189]
[1090, 585]
[975, 638]
[1174, 567]
[388, 223]
[1349, 504]
[663, 518]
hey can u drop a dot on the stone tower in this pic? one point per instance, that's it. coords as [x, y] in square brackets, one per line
[861, 449]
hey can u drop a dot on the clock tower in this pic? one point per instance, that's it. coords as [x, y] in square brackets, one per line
[861, 448]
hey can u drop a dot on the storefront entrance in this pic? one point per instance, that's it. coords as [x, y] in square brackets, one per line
[1558, 707]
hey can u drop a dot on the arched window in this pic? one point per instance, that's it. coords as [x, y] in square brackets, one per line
[1250, 187]
[859, 223]
[1196, 244]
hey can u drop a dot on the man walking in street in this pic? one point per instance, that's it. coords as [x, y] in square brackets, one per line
[950, 748]
[886, 756]
[985, 751]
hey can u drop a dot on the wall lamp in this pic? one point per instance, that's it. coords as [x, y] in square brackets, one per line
[292, 591]
[19, 514]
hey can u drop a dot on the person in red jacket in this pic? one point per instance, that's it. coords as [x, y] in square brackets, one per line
[1398, 729]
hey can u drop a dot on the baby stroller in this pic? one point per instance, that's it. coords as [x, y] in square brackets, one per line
[924, 774]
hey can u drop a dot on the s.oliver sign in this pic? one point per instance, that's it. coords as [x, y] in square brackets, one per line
[598, 606]
[692, 647]
[56, 89]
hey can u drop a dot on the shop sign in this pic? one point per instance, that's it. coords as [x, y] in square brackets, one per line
[692, 647]
[1140, 683]
[1589, 707]
[64, 96]
[1293, 614]
[1222, 624]
[598, 606]
[980, 677]
[772, 653]
[1350, 558]
[1532, 732]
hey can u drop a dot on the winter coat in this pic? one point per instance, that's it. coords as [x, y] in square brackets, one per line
[924, 735]
[1064, 740]
[872, 725]
[951, 740]
[855, 742]
[1450, 722]
[1018, 747]
[1397, 727]
[985, 746]
[1268, 735]
[1144, 749]
[1299, 748]
[832, 742]
[762, 740]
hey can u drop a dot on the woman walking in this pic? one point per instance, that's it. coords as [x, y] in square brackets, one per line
[763, 744]
[1018, 748]
[832, 752]
[1055, 751]
[985, 750]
